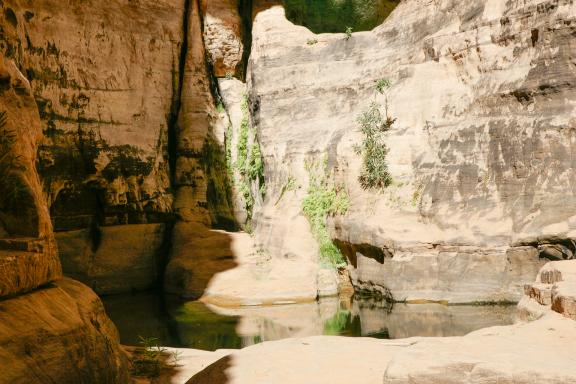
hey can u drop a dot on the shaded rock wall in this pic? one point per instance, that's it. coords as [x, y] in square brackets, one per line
[28, 255]
[106, 81]
[127, 258]
[49, 331]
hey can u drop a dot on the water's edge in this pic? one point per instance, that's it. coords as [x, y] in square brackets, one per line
[192, 324]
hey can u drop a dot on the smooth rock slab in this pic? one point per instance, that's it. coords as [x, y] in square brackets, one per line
[528, 353]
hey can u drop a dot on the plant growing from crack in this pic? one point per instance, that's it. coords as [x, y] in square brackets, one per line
[149, 361]
[348, 33]
[249, 164]
[324, 199]
[289, 186]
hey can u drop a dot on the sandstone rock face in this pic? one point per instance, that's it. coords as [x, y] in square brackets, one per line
[482, 94]
[106, 80]
[28, 255]
[203, 198]
[59, 334]
[536, 352]
[223, 37]
[126, 257]
[55, 332]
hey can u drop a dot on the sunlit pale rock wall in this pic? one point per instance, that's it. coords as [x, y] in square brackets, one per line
[483, 93]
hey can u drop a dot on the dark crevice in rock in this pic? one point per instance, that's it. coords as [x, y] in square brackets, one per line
[551, 248]
[178, 83]
[245, 11]
[162, 254]
[368, 250]
[95, 236]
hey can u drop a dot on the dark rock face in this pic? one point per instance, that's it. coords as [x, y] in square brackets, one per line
[51, 330]
[105, 80]
[116, 259]
[28, 256]
[126, 101]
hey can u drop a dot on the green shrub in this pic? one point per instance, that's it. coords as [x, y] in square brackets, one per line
[373, 149]
[148, 362]
[382, 85]
[321, 201]
[311, 41]
[255, 165]
[348, 33]
[249, 162]
[228, 144]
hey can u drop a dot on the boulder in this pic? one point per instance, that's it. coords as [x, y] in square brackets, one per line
[59, 334]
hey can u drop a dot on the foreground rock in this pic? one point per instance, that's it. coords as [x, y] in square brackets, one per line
[59, 334]
[529, 353]
[553, 290]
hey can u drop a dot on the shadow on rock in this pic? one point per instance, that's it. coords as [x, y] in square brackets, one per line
[215, 373]
[198, 253]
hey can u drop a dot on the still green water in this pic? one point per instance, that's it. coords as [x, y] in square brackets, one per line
[194, 325]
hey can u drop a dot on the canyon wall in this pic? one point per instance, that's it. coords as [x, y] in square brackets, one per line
[132, 140]
[480, 152]
[51, 330]
[140, 164]
[106, 81]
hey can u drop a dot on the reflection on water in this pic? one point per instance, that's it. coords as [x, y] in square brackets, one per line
[194, 325]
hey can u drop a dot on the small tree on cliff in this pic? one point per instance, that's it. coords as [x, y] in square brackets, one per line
[373, 149]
